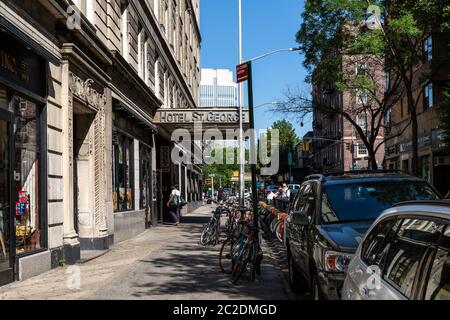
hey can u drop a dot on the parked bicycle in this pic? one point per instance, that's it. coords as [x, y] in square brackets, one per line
[210, 235]
[241, 250]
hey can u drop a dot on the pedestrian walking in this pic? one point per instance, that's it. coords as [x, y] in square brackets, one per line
[173, 205]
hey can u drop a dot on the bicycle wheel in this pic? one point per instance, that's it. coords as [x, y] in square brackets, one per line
[205, 237]
[279, 231]
[241, 265]
[226, 256]
[273, 225]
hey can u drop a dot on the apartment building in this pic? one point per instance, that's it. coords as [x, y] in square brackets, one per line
[336, 145]
[82, 164]
[429, 80]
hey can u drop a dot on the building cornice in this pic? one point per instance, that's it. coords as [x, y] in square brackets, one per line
[191, 10]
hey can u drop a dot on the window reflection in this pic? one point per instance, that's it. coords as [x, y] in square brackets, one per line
[414, 238]
[122, 172]
[439, 282]
[26, 176]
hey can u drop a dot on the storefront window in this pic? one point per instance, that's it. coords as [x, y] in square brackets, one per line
[145, 176]
[4, 103]
[425, 168]
[4, 194]
[26, 176]
[122, 172]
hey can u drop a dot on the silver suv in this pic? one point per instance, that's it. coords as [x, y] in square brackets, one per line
[405, 255]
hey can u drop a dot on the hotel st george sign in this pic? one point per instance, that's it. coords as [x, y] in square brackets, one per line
[228, 117]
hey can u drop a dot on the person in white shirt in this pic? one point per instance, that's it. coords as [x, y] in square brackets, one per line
[173, 204]
[285, 196]
[270, 196]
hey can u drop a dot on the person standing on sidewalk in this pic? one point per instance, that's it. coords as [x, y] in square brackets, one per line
[285, 196]
[173, 204]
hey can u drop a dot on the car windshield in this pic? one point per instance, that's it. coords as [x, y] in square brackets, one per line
[366, 201]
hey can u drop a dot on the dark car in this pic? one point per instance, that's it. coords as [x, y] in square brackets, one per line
[329, 217]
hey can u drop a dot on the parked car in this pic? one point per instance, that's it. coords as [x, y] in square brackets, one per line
[294, 187]
[405, 255]
[329, 217]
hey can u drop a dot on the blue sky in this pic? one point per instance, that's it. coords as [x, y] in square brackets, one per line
[267, 25]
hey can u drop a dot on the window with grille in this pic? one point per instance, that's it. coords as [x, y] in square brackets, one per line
[362, 150]
[428, 96]
[428, 49]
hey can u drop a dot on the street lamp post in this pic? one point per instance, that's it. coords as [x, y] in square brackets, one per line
[241, 126]
[252, 127]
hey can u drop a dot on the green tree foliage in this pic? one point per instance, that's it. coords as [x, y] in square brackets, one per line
[224, 171]
[332, 29]
[288, 137]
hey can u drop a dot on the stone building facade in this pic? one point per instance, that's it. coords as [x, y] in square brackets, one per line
[84, 165]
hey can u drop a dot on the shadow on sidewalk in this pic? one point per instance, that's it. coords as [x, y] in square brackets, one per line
[190, 270]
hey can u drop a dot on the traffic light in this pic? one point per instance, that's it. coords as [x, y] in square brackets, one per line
[305, 146]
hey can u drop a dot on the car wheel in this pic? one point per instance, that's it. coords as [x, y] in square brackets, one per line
[316, 290]
[295, 278]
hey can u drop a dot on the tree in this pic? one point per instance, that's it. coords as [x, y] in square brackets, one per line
[335, 29]
[288, 139]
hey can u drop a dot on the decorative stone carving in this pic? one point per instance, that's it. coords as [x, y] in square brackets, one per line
[83, 90]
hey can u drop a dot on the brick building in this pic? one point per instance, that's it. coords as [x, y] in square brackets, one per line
[429, 80]
[336, 145]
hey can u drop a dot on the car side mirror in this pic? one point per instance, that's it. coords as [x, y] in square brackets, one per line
[300, 218]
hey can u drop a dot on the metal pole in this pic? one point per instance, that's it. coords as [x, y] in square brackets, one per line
[253, 149]
[290, 166]
[241, 106]
[212, 183]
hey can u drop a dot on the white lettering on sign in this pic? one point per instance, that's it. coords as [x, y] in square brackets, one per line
[219, 117]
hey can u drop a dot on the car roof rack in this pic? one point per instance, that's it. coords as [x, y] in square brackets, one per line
[323, 176]
[365, 171]
[440, 202]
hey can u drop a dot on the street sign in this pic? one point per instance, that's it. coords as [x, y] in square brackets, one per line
[290, 160]
[242, 72]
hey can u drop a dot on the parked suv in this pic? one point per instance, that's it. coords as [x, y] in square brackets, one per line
[405, 256]
[329, 217]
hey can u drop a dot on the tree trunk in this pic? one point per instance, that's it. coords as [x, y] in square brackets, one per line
[414, 134]
[372, 159]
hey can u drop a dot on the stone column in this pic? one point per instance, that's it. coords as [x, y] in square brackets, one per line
[70, 235]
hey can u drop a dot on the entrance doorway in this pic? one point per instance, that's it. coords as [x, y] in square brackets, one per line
[82, 121]
[6, 241]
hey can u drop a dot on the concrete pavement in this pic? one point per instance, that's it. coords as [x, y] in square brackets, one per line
[165, 262]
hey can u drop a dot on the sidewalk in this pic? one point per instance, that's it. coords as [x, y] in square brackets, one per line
[165, 262]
